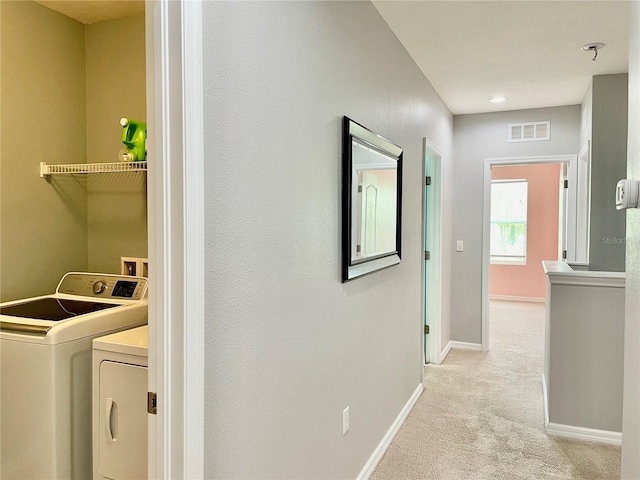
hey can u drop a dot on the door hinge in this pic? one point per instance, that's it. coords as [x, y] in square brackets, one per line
[564, 254]
[426, 329]
[359, 188]
[152, 403]
[427, 180]
[427, 255]
[566, 184]
[357, 248]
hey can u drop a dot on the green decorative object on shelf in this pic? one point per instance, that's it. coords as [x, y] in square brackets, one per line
[134, 137]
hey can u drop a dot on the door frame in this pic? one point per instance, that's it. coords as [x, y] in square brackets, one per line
[571, 230]
[432, 269]
[176, 237]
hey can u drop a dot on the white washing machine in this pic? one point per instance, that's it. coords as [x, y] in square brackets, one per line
[120, 405]
[45, 371]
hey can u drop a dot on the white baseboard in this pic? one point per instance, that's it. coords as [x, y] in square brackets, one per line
[584, 434]
[465, 345]
[545, 401]
[509, 298]
[371, 464]
[460, 346]
[576, 433]
[445, 352]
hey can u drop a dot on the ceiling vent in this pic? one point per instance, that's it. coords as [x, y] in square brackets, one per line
[529, 132]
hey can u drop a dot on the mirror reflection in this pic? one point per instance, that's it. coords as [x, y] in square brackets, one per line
[375, 178]
[372, 198]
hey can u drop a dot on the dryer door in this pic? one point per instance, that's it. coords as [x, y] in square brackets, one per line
[123, 421]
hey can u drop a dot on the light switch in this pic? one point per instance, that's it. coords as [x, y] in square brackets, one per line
[459, 245]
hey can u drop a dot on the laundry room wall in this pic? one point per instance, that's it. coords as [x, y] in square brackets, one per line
[117, 202]
[43, 222]
[287, 345]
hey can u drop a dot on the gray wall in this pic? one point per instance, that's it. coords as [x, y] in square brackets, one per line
[43, 222]
[477, 137]
[117, 203]
[585, 389]
[631, 412]
[287, 345]
[608, 165]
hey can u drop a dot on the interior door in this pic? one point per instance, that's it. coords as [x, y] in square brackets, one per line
[424, 270]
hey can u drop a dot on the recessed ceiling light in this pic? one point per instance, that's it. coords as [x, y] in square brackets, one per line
[497, 99]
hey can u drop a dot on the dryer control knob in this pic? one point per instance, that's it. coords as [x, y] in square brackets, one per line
[99, 287]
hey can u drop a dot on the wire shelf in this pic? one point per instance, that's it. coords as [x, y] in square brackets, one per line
[83, 168]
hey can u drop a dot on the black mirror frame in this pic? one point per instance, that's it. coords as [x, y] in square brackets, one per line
[351, 129]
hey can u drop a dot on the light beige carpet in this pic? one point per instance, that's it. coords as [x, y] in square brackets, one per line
[481, 415]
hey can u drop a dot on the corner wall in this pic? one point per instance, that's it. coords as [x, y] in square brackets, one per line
[117, 203]
[287, 345]
[631, 397]
[608, 165]
[43, 221]
[477, 137]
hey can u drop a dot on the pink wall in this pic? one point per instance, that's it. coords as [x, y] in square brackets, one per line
[542, 232]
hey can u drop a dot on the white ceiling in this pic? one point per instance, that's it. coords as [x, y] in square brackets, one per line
[93, 11]
[527, 51]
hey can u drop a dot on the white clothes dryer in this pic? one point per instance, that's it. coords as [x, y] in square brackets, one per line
[120, 405]
[45, 371]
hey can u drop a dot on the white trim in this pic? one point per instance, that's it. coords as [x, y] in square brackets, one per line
[545, 401]
[377, 454]
[584, 434]
[576, 433]
[508, 298]
[464, 346]
[561, 273]
[445, 352]
[572, 161]
[176, 237]
[193, 238]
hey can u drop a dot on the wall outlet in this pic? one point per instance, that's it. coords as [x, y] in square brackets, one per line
[345, 420]
[135, 267]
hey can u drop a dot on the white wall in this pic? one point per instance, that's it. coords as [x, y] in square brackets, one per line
[477, 137]
[287, 345]
[631, 399]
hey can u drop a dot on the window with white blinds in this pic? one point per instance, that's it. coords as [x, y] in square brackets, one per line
[509, 221]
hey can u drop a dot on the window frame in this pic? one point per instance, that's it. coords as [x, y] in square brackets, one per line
[511, 259]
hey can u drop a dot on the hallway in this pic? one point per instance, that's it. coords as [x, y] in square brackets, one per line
[481, 415]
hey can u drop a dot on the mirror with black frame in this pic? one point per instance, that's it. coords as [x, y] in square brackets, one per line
[372, 194]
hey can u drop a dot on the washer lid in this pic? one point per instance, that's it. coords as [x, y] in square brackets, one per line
[53, 309]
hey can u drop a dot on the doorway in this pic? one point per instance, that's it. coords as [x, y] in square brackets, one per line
[568, 231]
[175, 124]
[527, 224]
[432, 265]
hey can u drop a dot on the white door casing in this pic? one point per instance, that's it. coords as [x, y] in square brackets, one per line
[176, 237]
[571, 230]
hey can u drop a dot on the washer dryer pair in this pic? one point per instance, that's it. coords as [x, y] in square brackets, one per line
[45, 371]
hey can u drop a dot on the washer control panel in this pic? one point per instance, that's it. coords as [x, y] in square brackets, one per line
[103, 285]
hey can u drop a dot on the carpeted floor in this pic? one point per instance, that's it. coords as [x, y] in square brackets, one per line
[481, 415]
